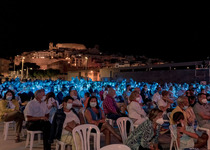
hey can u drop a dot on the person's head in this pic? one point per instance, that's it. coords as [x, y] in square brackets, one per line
[9, 95]
[191, 100]
[67, 103]
[138, 90]
[156, 115]
[183, 102]
[92, 102]
[178, 118]
[40, 95]
[203, 91]
[103, 87]
[202, 98]
[171, 88]
[190, 86]
[128, 87]
[111, 92]
[159, 89]
[165, 94]
[134, 96]
[50, 95]
[145, 87]
[87, 94]
[73, 94]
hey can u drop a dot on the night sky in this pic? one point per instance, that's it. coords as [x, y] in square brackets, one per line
[170, 33]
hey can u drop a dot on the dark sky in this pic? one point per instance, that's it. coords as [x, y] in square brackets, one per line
[176, 33]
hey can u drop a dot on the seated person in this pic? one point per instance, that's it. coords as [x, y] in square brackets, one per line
[186, 134]
[87, 96]
[52, 105]
[135, 110]
[157, 96]
[190, 113]
[146, 96]
[164, 103]
[145, 136]
[95, 115]
[71, 121]
[37, 117]
[202, 111]
[182, 106]
[110, 107]
[126, 94]
[76, 103]
[9, 111]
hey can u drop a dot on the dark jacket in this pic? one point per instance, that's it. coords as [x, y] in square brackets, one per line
[57, 125]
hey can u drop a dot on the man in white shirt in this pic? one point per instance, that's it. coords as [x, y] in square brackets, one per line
[37, 117]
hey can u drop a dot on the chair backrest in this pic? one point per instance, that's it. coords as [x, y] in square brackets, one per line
[122, 125]
[173, 139]
[84, 131]
[116, 147]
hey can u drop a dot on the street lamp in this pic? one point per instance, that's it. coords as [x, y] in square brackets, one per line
[22, 68]
[86, 58]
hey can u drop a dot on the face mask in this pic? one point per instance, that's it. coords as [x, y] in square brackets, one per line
[185, 107]
[204, 101]
[43, 98]
[74, 97]
[9, 98]
[69, 106]
[93, 104]
[160, 121]
[138, 99]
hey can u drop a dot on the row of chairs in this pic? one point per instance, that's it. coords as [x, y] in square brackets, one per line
[121, 123]
[84, 132]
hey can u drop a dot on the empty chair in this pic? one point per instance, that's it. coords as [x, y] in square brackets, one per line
[122, 125]
[84, 132]
[30, 136]
[6, 128]
[116, 147]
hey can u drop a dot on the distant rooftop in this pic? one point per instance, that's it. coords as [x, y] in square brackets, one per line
[71, 45]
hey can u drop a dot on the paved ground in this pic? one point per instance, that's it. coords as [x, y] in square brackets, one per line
[9, 144]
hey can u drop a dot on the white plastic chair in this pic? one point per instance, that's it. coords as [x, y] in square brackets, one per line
[84, 132]
[173, 139]
[116, 147]
[62, 144]
[6, 128]
[207, 132]
[121, 123]
[30, 136]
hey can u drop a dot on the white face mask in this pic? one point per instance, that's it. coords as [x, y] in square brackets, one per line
[204, 101]
[43, 98]
[93, 104]
[69, 106]
[160, 121]
[185, 107]
[74, 97]
[9, 98]
[138, 99]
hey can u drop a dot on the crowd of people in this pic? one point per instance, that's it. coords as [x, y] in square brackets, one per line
[56, 107]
